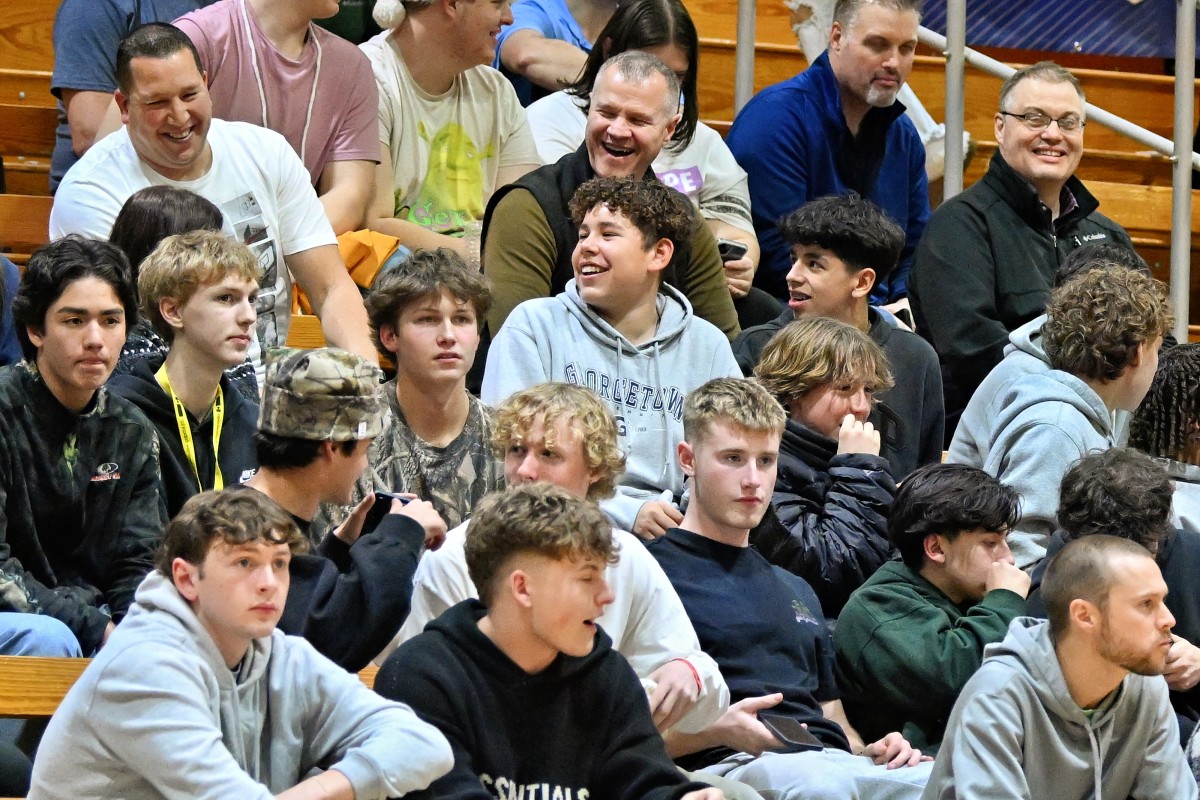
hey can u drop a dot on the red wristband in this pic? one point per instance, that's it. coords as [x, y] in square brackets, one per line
[695, 674]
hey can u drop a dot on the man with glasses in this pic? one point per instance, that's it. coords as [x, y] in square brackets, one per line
[987, 260]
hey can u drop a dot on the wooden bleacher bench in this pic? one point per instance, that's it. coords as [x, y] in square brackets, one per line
[27, 109]
[34, 687]
[24, 225]
[26, 144]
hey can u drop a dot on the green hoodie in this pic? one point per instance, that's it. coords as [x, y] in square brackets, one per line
[905, 650]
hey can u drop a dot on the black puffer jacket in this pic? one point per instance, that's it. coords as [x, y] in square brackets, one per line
[828, 517]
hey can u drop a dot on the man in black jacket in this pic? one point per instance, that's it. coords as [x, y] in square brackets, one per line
[987, 260]
[320, 411]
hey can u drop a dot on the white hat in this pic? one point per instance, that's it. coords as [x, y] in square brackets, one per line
[388, 13]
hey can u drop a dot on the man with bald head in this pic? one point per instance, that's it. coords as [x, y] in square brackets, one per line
[528, 235]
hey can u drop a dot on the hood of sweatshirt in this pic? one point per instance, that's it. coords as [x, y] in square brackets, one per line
[1052, 397]
[161, 614]
[460, 624]
[1028, 339]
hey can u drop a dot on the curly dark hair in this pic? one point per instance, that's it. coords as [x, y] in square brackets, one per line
[1096, 321]
[654, 208]
[1167, 419]
[948, 499]
[425, 273]
[1119, 492]
[851, 227]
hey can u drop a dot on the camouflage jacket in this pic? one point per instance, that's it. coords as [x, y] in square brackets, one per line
[80, 506]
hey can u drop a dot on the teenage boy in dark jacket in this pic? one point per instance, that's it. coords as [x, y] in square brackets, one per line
[81, 513]
[841, 247]
[827, 521]
[320, 411]
[523, 683]
[911, 637]
[198, 290]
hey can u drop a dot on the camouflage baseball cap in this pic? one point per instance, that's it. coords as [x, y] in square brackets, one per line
[320, 394]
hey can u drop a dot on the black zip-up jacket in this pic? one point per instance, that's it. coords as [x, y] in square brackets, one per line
[81, 504]
[828, 517]
[236, 453]
[985, 267]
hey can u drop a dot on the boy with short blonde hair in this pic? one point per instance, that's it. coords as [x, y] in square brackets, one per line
[198, 290]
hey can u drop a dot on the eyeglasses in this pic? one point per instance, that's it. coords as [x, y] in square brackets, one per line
[1037, 121]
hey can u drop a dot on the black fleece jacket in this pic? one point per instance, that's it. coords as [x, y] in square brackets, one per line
[986, 264]
[80, 507]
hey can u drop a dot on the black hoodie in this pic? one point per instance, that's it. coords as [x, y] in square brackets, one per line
[578, 730]
[236, 453]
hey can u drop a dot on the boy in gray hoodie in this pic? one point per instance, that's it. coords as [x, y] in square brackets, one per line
[1074, 708]
[1101, 336]
[197, 695]
[621, 332]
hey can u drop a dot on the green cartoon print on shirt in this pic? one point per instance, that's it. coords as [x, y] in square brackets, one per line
[452, 193]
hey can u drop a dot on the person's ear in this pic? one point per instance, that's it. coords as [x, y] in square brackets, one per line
[186, 577]
[934, 548]
[661, 252]
[327, 450]
[1084, 615]
[687, 459]
[387, 337]
[836, 35]
[171, 310]
[519, 587]
[606, 47]
[864, 282]
[122, 105]
[998, 125]
[672, 124]
[37, 336]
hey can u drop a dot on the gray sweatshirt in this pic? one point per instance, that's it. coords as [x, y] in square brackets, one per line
[158, 714]
[562, 339]
[1186, 500]
[1023, 355]
[1015, 733]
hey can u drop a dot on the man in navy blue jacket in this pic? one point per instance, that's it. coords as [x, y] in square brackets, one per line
[837, 127]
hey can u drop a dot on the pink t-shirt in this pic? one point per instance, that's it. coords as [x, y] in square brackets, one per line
[344, 114]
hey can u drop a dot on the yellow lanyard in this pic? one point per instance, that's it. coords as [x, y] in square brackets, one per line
[185, 429]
